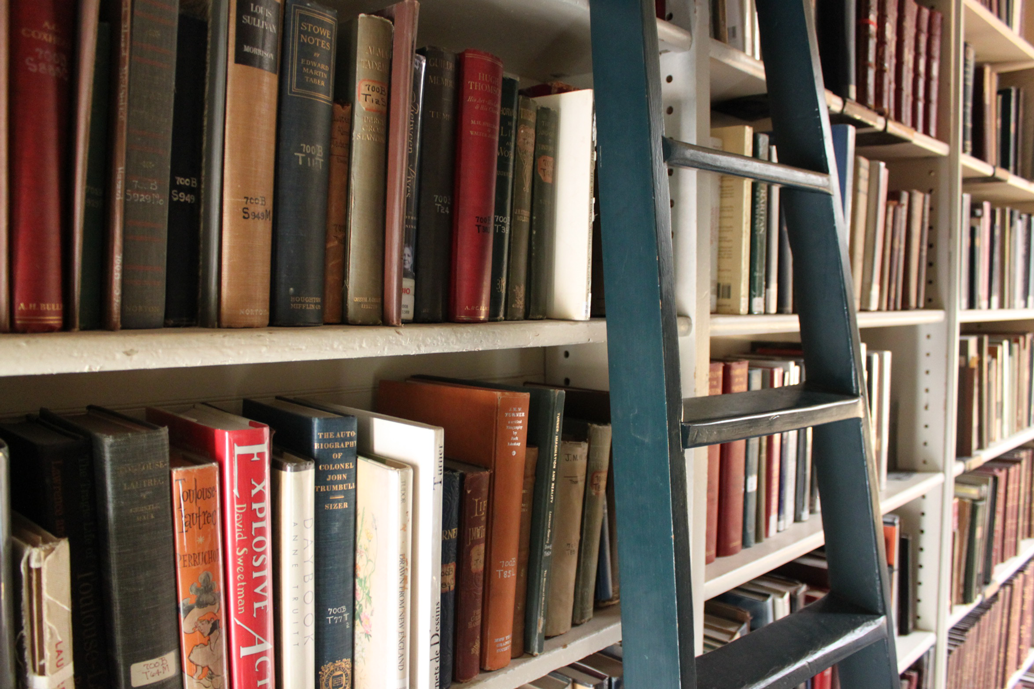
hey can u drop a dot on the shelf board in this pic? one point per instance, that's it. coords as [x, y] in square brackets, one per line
[603, 630]
[722, 325]
[1002, 573]
[996, 449]
[994, 315]
[992, 39]
[912, 646]
[802, 537]
[734, 74]
[997, 185]
[899, 142]
[974, 167]
[1018, 675]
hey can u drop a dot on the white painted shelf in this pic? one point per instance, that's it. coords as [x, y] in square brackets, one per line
[603, 630]
[993, 40]
[1002, 573]
[912, 646]
[964, 464]
[802, 537]
[1018, 675]
[722, 325]
[995, 315]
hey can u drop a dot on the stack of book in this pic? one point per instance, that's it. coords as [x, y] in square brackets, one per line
[995, 397]
[344, 548]
[758, 487]
[997, 260]
[601, 670]
[991, 643]
[994, 126]
[992, 514]
[236, 165]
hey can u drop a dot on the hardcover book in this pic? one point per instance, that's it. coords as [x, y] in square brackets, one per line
[5, 158]
[734, 227]
[451, 485]
[570, 488]
[543, 210]
[7, 632]
[503, 198]
[594, 503]
[337, 212]
[758, 230]
[531, 459]
[520, 213]
[731, 473]
[413, 144]
[715, 372]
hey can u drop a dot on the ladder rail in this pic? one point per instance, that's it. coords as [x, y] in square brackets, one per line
[681, 154]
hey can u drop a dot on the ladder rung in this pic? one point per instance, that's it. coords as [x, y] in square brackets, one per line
[680, 154]
[792, 650]
[723, 418]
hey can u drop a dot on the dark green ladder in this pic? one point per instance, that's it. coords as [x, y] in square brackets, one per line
[652, 424]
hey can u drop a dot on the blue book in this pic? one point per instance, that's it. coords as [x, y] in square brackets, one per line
[451, 480]
[759, 605]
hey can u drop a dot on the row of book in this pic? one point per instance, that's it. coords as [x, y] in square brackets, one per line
[883, 54]
[997, 257]
[995, 126]
[992, 513]
[601, 670]
[995, 396]
[237, 165]
[990, 644]
[758, 487]
[310, 539]
[1011, 12]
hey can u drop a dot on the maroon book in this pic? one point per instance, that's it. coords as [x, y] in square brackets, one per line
[933, 72]
[731, 473]
[470, 569]
[865, 62]
[42, 36]
[904, 68]
[886, 55]
[473, 217]
[713, 472]
[920, 64]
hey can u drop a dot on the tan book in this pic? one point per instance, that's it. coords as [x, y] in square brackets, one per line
[734, 217]
[364, 71]
[337, 214]
[249, 163]
[859, 219]
[43, 606]
[875, 226]
[596, 472]
[570, 487]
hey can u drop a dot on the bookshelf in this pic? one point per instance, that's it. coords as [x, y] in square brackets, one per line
[1016, 676]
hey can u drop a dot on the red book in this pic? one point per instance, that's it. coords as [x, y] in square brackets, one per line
[904, 68]
[713, 468]
[933, 72]
[731, 474]
[865, 62]
[241, 449]
[42, 38]
[774, 448]
[919, 81]
[886, 55]
[473, 216]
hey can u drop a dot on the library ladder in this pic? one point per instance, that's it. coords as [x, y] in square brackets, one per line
[652, 424]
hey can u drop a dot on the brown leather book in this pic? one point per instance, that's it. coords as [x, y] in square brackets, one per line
[337, 213]
[886, 51]
[531, 459]
[713, 467]
[904, 69]
[486, 428]
[404, 16]
[570, 487]
[731, 472]
[249, 163]
[865, 42]
[933, 72]
[5, 288]
[920, 65]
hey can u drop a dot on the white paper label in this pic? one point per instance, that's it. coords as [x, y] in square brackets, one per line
[150, 671]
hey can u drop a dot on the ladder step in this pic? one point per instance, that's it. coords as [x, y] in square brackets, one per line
[723, 418]
[792, 650]
[680, 154]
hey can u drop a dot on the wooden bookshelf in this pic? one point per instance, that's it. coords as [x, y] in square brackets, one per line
[1002, 573]
[996, 449]
[1015, 678]
[722, 325]
[912, 646]
[995, 315]
[993, 40]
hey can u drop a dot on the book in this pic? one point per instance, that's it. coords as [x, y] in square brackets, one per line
[731, 474]
[886, 56]
[858, 225]
[734, 226]
[404, 16]
[136, 581]
[7, 629]
[543, 210]
[196, 518]
[785, 303]
[772, 241]
[304, 119]
[383, 502]
[751, 471]
[451, 485]
[249, 165]
[504, 184]
[5, 157]
[144, 88]
[480, 77]
[475, 483]
[364, 84]
[933, 72]
[570, 486]
[758, 231]
[184, 233]
[488, 428]
[875, 230]
[330, 440]
[413, 144]
[42, 581]
[715, 373]
[293, 487]
[337, 212]
[40, 103]
[920, 64]
[904, 75]
[593, 505]
[520, 215]
[241, 448]
[520, 600]
[434, 236]
[568, 277]
[835, 29]
[865, 80]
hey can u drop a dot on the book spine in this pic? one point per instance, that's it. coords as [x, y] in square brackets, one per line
[503, 199]
[904, 74]
[731, 473]
[837, 36]
[592, 522]
[520, 210]
[933, 72]
[451, 482]
[477, 142]
[413, 145]
[785, 296]
[713, 469]
[293, 494]
[886, 43]
[199, 567]
[7, 629]
[471, 574]
[181, 278]
[921, 63]
[249, 162]
[866, 45]
[337, 213]
[570, 497]
[303, 142]
[434, 240]
[772, 239]
[543, 211]
[41, 44]
[523, 551]
[758, 230]
[365, 85]
[91, 262]
[145, 198]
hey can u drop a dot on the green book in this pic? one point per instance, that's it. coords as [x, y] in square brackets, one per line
[543, 210]
[759, 232]
[599, 438]
[503, 198]
[91, 272]
[520, 210]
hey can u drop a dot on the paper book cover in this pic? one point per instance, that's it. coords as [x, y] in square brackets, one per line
[570, 497]
[734, 226]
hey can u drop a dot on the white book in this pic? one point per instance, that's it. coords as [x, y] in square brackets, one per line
[884, 389]
[421, 447]
[293, 482]
[382, 537]
[569, 277]
[714, 186]
[875, 228]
